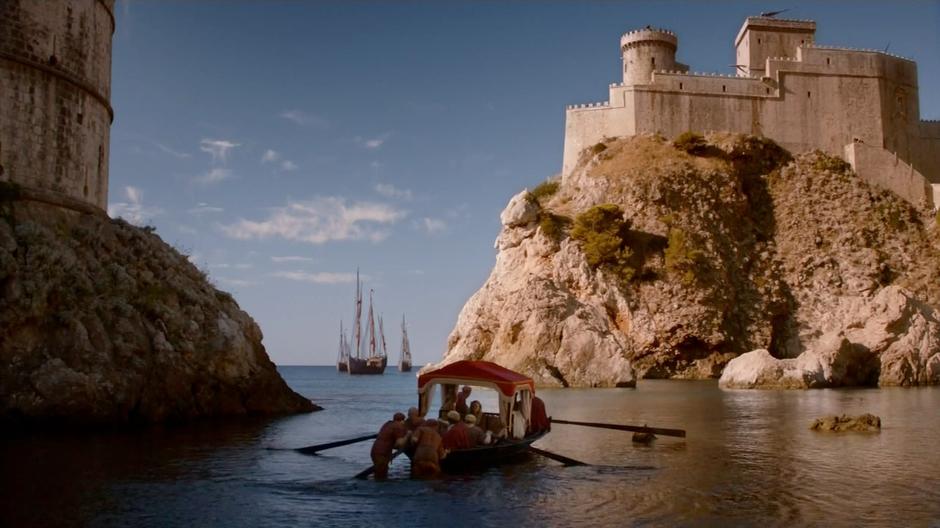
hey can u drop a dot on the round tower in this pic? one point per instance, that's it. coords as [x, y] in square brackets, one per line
[645, 50]
[55, 92]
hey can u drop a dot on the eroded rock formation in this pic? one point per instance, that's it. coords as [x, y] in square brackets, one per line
[102, 323]
[668, 260]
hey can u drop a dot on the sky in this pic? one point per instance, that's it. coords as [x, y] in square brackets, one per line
[284, 145]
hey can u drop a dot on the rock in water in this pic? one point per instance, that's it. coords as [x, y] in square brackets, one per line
[838, 424]
[648, 261]
[104, 323]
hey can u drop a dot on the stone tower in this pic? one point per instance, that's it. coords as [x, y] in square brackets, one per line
[762, 38]
[647, 50]
[55, 90]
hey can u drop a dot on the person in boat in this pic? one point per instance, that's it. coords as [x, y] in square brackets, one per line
[393, 434]
[457, 436]
[414, 419]
[476, 409]
[429, 450]
[461, 405]
[539, 421]
[476, 434]
[495, 427]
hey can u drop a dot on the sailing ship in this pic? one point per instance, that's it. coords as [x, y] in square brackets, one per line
[366, 357]
[342, 359]
[404, 360]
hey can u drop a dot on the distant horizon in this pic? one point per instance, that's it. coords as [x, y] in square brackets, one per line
[281, 149]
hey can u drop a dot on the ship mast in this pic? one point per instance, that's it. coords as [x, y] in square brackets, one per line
[371, 327]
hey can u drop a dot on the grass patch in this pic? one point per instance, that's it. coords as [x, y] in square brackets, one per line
[682, 257]
[691, 143]
[554, 225]
[825, 162]
[544, 190]
[603, 233]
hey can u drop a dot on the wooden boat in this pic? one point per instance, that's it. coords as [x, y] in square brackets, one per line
[515, 393]
[377, 358]
[404, 359]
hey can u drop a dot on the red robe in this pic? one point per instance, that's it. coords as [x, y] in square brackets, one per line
[539, 420]
[457, 437]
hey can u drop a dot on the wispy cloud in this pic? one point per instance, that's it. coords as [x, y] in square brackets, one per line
[187, 230]
[291, 258]
[175, 153]
[288, 165]
[270, 156]
[217, 148]
[321, 220]
[322, 277]
[215, 175]
[204, 208]
[372, 143]
[390, 191]
[433, 225]
[134, 210]
[224, 265]
[302, 118]
[236, 282]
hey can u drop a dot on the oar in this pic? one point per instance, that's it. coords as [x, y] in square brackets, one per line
[560, 458]
[368, 471]
[634, 428]
[312, 450]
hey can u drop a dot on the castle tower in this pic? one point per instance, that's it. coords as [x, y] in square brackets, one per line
[55, 90]
[646, 50]
[761, 38]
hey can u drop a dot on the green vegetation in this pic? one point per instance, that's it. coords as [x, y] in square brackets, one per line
[598, 148]
[825, 162]
[553, 225]
[682, 257]
[603, 231]
[544, 190]
[691, 143]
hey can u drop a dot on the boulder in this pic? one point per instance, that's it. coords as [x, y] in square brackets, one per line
[521, 210]
[838, 424]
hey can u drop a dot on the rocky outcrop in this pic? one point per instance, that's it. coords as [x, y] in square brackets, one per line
[864, 423]
[670, 263]
[104, 323]
[893, 339]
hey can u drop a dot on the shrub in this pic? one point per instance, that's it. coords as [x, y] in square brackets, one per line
[682, 257]
[544, 190]
[553, 225]
[603, 232]
[691, 143]
[598, 148]
[825, 162]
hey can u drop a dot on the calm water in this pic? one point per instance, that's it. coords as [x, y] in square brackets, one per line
[749, 459]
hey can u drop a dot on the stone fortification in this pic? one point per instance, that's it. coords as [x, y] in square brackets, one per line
[787, 88]
[55, 88]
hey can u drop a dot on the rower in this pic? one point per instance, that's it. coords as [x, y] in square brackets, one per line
[429, 450]
[392, 435]
[457, 436]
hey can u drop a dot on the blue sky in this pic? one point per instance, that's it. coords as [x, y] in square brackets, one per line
[284, 144]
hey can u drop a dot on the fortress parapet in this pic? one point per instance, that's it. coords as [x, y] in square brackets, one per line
[55, 91]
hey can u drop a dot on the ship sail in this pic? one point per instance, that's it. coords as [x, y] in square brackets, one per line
[342, 359]
[404, 361]
[367, 359]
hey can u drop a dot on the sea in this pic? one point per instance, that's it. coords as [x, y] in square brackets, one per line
[749, 459]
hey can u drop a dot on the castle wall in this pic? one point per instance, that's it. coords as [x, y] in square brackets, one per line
[886, 170]
[55, 88]
[586, 126]
[927, 153]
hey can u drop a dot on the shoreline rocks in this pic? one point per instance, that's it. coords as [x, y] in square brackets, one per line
[102, 323]
[865, 423]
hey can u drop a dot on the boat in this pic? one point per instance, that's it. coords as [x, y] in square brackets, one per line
[377, 358]
[342, 359]
[404, 359]
[515, 392]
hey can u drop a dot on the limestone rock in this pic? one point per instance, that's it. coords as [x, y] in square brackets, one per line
[521, 210]
[103, 323]
[838, 424]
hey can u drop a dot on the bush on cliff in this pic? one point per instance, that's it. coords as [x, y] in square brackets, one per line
[544, 190]
[682, 258]
[691, 143]
[603, 231]
[553, 225]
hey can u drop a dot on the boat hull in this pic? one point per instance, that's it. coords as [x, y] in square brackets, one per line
[367, 366]
[404, 367]
[341, 366]
[505, 452]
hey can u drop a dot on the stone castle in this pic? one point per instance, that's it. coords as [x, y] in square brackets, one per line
[861, 105]
[55, 90]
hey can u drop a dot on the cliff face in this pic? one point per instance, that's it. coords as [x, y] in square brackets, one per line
[668, 260]
[102, 322]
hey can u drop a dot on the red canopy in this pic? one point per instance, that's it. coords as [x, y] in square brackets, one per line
[482, 373]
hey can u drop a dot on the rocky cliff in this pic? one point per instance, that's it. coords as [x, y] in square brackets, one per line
[665, 259]
[102, 322]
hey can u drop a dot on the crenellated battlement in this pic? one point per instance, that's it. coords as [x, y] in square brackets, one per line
[787, 87]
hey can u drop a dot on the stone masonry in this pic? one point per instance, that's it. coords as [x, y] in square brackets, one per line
[55, 90]
[859, 104]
